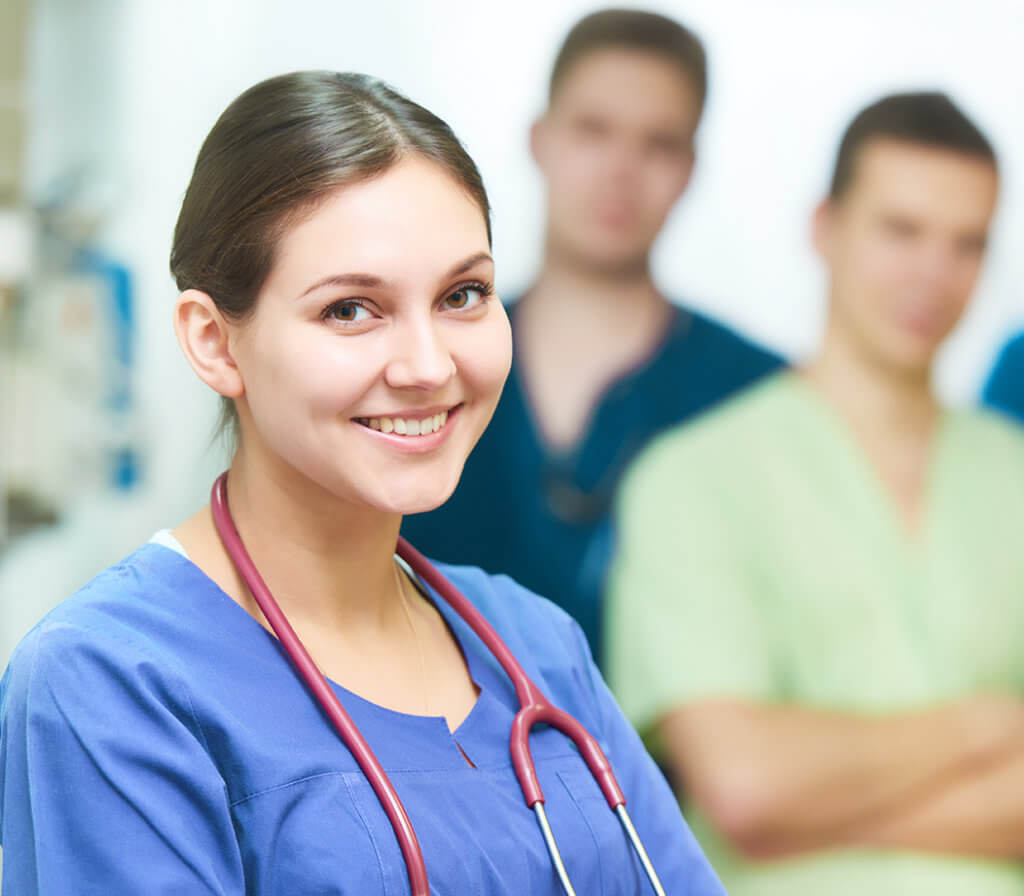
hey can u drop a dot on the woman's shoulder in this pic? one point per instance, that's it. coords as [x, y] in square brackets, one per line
[546, 640]
[127, 591]
[123, 616]
[510, 607]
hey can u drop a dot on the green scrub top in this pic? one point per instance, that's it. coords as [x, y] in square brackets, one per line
[761, 558]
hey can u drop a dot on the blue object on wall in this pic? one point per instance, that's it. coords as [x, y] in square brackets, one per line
[124, 462]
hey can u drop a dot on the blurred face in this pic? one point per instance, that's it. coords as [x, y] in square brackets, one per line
[616, 150]
[377, 350]
[904, 245]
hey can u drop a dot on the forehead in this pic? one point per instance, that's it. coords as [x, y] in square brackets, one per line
[633, 85]
[928, 181]
[414, 220]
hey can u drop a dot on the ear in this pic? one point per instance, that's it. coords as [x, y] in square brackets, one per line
[203, 335]
[822, 223]
[537, 135]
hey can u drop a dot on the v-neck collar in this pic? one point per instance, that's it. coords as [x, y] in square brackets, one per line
[679, 323]
[867, 480]
[485, 676]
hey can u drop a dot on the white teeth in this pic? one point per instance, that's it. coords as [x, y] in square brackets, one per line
[406, 426]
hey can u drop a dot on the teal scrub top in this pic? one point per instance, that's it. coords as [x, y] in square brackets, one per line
[1004, 390]
[543, 516]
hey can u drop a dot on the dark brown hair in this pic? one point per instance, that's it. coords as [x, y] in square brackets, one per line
[634, 29]
[278, 150]
[927, 118]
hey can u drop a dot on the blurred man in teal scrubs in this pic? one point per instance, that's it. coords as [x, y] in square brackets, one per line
[1004, 390]
[603, 360]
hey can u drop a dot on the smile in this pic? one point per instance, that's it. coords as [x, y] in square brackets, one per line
[406, 426]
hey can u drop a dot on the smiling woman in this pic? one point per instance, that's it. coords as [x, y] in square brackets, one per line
[341, 130]
[370, 311]
[333, 257]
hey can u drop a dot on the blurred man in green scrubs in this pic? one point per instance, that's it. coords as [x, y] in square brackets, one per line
[817, 609]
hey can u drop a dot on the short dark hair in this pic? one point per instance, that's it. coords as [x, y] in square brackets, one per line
[278, 150]
[634, 29]
[926, 118]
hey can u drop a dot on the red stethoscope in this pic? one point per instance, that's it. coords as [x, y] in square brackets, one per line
[534, 707]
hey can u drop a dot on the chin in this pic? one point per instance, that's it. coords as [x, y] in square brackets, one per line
[911, 361]
[419, 500]
[413, 508]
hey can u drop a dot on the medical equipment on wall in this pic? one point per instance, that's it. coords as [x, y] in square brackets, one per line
[70, 420]
[534, 708]
[16, 257]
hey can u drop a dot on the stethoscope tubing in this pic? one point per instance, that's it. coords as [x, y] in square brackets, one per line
[534, 707]
[322, 691]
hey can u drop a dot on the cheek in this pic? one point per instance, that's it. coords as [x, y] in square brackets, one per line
[966, 273]
[862, 281]
[662, 186]
[874, 266]
[305, 370]
[484, 356]
[574, 174]
[887, 262]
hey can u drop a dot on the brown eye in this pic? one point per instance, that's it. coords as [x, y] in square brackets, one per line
[347, 312]
[465, 297]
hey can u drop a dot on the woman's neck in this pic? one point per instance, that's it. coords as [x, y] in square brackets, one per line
[327, 563]
[330, 567]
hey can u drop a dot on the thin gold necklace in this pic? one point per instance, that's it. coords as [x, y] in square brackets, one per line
[415, 636]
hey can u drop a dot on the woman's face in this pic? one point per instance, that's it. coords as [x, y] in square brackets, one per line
[377, 350]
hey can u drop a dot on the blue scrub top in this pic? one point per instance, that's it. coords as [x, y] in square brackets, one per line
[1004, 390]
[544, 516]
[154, 739]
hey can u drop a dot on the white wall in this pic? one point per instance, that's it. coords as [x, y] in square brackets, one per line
[132, 86]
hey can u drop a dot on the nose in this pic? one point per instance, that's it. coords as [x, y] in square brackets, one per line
[624, 159]
[419, 357]
[620, 162]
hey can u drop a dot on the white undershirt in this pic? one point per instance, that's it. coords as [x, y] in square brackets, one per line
[165, 538]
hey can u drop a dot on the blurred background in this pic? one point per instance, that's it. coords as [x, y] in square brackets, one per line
[105, 434]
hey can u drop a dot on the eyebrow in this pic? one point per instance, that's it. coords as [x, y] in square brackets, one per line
[369, 281]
